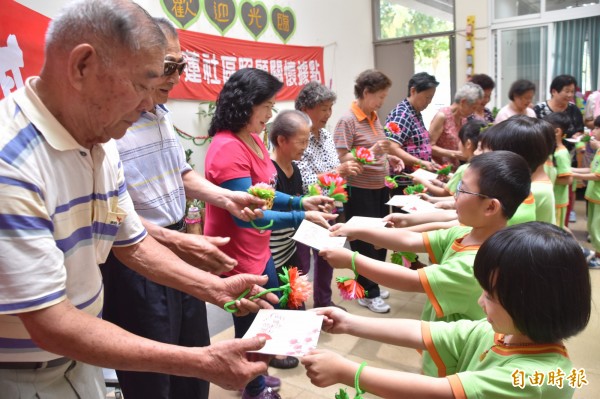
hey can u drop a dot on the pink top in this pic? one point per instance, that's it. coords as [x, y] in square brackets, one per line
[508, 110]
[228, 158]
[449, 138]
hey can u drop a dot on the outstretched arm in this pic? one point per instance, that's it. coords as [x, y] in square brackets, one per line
[394, 239]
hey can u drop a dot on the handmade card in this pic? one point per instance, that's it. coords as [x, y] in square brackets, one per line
[288, 332]
[317, 237]
[424, 174]
[364, 221]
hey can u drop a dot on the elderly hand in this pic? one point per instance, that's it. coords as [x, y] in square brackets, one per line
[202, 252]
[244, 206]
[230, 367]
[313, 203]
[325, 368]
[230, 288]
[319, 218]
[338, 258]
[396, 163]
[380, 148]
[350, 168]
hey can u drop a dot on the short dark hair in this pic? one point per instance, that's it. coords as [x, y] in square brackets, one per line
[539, 275]
[483, 80]
[422, 81]
[561, 81]
[246, 88]
[371, 80]
[559, 120]
[470, 131]
[505, 176]
[520, 87]
[531, 138]
[287, 123]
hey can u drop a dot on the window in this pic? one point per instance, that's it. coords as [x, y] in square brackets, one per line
[404, 18]
[516, 8]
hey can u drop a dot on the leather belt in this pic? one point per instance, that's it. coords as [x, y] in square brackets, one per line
[34, 365]
[180, 226]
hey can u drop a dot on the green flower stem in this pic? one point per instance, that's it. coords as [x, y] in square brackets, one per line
[354, 264]
[230, 306]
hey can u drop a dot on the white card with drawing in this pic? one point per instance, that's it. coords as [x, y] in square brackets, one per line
[424, 174]
[288, 332]
[364, 221]
[317, 237]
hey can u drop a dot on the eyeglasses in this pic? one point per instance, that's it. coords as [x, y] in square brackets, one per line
[172, 66]
[460, 190]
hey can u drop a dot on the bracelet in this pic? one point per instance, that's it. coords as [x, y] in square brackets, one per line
[359, 391]
[290, 201]
[300, 206]
[354, 254]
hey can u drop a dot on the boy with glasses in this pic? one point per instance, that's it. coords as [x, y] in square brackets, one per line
[489, 193]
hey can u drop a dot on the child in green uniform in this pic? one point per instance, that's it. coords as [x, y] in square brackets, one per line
[492, 188]
[561, 160]
[518, 352]
[534, 140]
[592, 195]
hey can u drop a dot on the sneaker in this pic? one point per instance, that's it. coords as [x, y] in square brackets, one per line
[594, 263]
[266, 393]
[376, 305]
[384, 294]
[589, 254]
[572, 217]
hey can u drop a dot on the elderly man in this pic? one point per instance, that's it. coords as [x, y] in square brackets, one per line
[158, 181]
[64, 205]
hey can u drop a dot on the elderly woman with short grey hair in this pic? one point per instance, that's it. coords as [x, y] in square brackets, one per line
[316, 101]
[448, 121]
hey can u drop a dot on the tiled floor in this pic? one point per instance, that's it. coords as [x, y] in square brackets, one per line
[584, 349]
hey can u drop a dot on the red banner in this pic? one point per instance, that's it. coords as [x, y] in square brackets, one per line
[213, 59]
[22, 33]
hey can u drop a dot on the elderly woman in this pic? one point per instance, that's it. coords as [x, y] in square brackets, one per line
[487, 85]
[316, 101]
[448, 121]
[411, 142]
[237, 159]
[520, 95]
[367, 193]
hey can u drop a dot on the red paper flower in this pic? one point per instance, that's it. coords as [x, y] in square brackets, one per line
[296, 290]
[327, 179]
[392, 127]
[363, 155]
[350, 288]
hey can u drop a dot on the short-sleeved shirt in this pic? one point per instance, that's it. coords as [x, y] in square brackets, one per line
[592, 192]
[479, 365]
[154, 162]
[592, 106]
[456, 178]
[229, 158]
[542, 109]
[281, 244]
[63, 207]
[563, 169]
[526, 212]
[550, 170]
[413, 137]
[355, 129]
[508, 110]
[488, 116]
[543, 191]
[449, 137]
[319, 157]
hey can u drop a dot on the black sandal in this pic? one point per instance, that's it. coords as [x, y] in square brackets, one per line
[288, 363]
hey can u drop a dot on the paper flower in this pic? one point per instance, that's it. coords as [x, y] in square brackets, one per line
[403, 258]
[263, 191]
[417, 166]
[416, 189]
[392, 128]
[363, 155]
[296, 290]
[342, 394]
[350, 288]
[444, 170]
[586, 138]
[331, 185]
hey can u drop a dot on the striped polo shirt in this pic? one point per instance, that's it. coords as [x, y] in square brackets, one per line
[355, 129]
[63, 207]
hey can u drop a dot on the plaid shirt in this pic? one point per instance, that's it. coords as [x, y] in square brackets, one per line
[413, 137]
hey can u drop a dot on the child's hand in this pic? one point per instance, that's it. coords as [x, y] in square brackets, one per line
[325, 368]
[398, 219]
[335, 320]
[448, 205]
[338, 258]
[341, 230]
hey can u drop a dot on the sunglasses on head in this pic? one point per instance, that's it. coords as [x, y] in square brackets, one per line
[172, 66]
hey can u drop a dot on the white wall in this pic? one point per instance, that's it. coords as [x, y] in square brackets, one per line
[342, 27]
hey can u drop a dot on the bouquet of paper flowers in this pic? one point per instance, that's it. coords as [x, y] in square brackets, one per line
[348, 286]
[416, 189]
[263, 191]
[331, 185]
[363, 155]
[296, 290]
